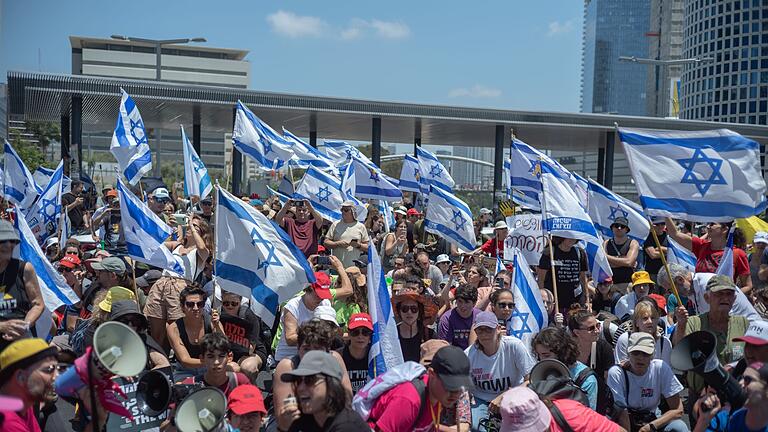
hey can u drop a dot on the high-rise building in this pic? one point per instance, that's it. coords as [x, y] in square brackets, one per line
[733, 87]
[4, 110]
[665, 37]
[614, 28]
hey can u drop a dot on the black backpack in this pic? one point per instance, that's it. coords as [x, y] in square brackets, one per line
[605, 405]
[560, 388]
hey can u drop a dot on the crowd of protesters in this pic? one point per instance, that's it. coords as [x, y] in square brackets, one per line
[613, 339]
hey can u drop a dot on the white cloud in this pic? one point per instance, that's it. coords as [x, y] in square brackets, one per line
[476, 91]
[557, 27]
[296, 26]
[383, 29]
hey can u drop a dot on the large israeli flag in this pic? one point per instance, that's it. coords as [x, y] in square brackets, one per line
[433, 173]
[385, 352]
[305, 155]
[410, 174]
[257, 140]
[197, 182]
[605, 206]
[564, 216]
[450, 218]
[677, 254]
[19, 186]
[371, 183]
[42, 176]
[700, 176]
[43, 217]
[342, 152]
[323, 190]
[145, 232]
[129, 141]
[529, 316]
[255, 258]
[726, 260]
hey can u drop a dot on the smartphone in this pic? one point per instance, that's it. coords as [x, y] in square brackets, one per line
[181, 219]
[323, 260]
[500, 282]
[300, 203]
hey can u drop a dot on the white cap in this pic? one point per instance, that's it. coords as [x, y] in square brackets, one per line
[485, 211]
[160, 192]
[51, 241]
[327, 313]
[761, 237]
[500, 225]
[442, 258]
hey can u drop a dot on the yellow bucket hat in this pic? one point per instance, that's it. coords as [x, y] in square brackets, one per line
[116, 294]
[641, 277]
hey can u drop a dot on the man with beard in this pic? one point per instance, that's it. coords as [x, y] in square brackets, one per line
[27, 372]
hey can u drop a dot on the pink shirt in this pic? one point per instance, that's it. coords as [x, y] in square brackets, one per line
[14, 422]
[396, 410]
[581, 418]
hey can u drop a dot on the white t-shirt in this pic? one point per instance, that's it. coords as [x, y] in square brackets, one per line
[741, 306]
[626, 305]
[645, 391]
[493, 375]
[299, 310]
[341, 230]
[663, 349]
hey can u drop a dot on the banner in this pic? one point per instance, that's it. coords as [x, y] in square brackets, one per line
[526, 235]
[141, 422]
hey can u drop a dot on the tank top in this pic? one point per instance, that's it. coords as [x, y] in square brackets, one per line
[299, 310]
[194, 350]
[620, 274]
[15, 302]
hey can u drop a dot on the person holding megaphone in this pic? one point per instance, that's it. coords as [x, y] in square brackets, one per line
[753, 417]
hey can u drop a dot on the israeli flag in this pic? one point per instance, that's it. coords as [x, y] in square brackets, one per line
[371, 183]
[257, 140]
[726, 260]
[702, 175]
[348, 187]
[43, 216]
[323, 190]
[506, 179]
[529, 316]
[605, 206]
[197, 182]
[433, 173]
[145, 232]
[65, 230]
[450, 218]
[305, 155]
[129, 142]
[410, 174]
[677, 254]
[341, 152]
[286, 186]
[255, 258]
[564, 216]
[283, 198]
[386, 213]
[499, 265]
[19, 186]
[385, 352]
[42, 176]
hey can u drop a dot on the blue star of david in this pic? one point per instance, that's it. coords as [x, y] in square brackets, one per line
[435, 170]
[524, 328]
[137, 131]
[198, 164]
[267, 147]
[46, 205]
[690, 177]
[323, 194]
[375, 176]
[416, 173]
[613, 214]
[458, 220]
[271, 259]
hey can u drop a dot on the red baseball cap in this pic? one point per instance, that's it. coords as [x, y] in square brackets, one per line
[757, 333]
[412, 212]
[246, 399]
[322, 286]
[661, 303]
[360, 320]
[70, 261]
[320, 249]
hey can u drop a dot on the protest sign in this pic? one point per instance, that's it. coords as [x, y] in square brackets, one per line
[525, 234]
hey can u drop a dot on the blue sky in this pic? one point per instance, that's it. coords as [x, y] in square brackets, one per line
[500, 54]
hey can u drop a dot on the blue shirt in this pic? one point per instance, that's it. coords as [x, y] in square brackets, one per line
[589, 385]
[738, 423]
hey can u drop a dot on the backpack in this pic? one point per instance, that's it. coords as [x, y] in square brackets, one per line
[560, 388]
[605, 405]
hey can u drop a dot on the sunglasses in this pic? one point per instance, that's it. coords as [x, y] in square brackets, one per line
[63, 270]
[309, 381]
[620, 227]
[412, 309]
[360, 332]
[191, 305]
[230, 304]
[505, 305]
[590, 328]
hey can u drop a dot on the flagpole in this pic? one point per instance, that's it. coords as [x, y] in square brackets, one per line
[551, 244]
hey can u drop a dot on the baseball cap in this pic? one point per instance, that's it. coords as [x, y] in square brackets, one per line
[621, 220]
[50, 242]
[401, 211]
[413, 212]
[326, 313]
[246, 399]
[320, 249]
[322, 286]
[485, 211]
[485, 319]
[360, 320]
[761, 237]
[757, 333]
[110, 264]
[23, 353]
[720, 283]
[523, 411]
[641, 277]
[161, 192]
[116, 294]
[69, 261]
[643, 342]
[452, 366]
[442, 258]
[657, 220]
[660, 302]
[317, 362]
[500, 225]
[428, 350]
[206, 200]
[111, 193]
[148, 278]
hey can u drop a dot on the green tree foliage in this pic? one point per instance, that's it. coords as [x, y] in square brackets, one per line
[44, 132]
[31, 154]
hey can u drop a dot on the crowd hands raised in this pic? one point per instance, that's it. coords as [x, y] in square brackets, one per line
[605, 362]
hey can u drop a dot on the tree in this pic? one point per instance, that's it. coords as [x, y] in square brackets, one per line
[29, 153]
[44, 132]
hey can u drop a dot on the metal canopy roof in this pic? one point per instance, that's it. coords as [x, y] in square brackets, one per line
[40, 96]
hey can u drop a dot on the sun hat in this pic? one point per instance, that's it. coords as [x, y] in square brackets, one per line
[442, 258]
[430, 309]
[500, 225]
[641, 277]
[523, 411]
[428, 349]
[115, 294]
[761, 237]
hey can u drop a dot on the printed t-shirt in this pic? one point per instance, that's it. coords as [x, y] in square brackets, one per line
[357, 369]
[663, 349]
[568, 267]
[495, 374]
[645, 391]
[455, 329]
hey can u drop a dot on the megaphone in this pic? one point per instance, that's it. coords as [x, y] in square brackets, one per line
[697, 353]
[549, 368]
[155, 391]
[204, 410]
[119, 350]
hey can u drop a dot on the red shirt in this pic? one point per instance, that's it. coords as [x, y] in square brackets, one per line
[396, 410]
[493, 247]
[303, 234]
[707, 259]
[15, 422]
[581, 418]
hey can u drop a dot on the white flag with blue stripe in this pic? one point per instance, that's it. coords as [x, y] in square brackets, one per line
[348, 187]
[677, 254]
[255, 258]
[605, 206]
[564, 216]
[286, 186]
[19, 186]
[305, 155]
[197, 182]
[130, 146]
[145, 232]
[700, 176]
[385, 352]
[529, 316]
[371, 183]
[433, 173]
[323, 190]
[257, 140]
[342, 152]
[65, 229]
[387, 215]
[410, 174]
[726, 260]
[42, 176]
[506, 178]
[43, 216]
[450, 218]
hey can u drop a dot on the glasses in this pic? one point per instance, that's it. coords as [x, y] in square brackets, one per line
[191, 305]
[309, 381]
[230, 304]
[505, 305]
[63, 270]
[412, 309]
[591, 328]
[360, 332]
[346, 209]
[620, 227]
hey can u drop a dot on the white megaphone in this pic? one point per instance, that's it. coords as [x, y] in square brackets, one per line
[119, 349]
[203, 410]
